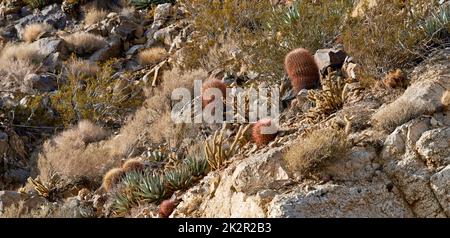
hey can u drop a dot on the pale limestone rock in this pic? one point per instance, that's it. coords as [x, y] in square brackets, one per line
[329, 200]
[434, 146]
[440, 183]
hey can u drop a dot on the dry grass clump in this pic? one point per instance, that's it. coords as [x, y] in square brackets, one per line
[21, 51]
[84, 43]
[152, 55]
[397, 113]
[81, 68]
[309, 155]
[153, 121]
[395, 79]
[70, 153]
[94, 16]
[446, 100]
[34, 31]
[12, 74]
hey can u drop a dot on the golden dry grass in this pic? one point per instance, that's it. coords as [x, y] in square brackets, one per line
[84, 43]
[82, 68]
[12, 74]
[33, 31]
[94, 16]
[312, 153]
[21, 51]
[396, 113]
[74, 154]
[152, 55]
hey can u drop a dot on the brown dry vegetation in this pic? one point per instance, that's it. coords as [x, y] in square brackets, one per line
[310, 154]
[33, 31]
[81, 68]
[84, 43]
[21, 51]
[12, 74]
[152, 55]
[94, 16]
[73, 154]
[397, 113]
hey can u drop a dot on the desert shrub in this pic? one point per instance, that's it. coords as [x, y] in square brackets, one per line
[93, 98]
[12, 74]
[397, 113]
[74, 155]
[152, 122]
[83, 43]
[23, 52]
[79, 68]
[262, 34]
[152, 55]
[94, 16]
[33, 31]
[390, 35]
[309, 155]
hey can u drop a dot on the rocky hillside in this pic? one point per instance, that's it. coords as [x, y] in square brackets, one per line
[88, 129]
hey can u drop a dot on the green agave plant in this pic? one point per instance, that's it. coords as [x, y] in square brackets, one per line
[198, 167]
[157, 156]
[438, 23]
[122, 203]
[151, 188]
[142, 4]
[179, 178]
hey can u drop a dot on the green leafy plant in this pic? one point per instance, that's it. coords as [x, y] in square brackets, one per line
[151, 188]
[389, 36]
[197, 166]
[178, 179]
[437, 25]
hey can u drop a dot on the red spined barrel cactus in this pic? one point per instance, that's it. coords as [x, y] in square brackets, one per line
[166, 208]
[133, 165]
[212, 83]
[112, 178]
[263, 137]
[302, 69]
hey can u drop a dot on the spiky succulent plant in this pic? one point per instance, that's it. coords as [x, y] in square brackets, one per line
[142, 4]
[122, 203]
[197, 166]
[178, 178]
[157, 156]
[438, 24]
[151, 188]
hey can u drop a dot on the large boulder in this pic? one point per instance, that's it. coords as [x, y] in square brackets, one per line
[374, 200]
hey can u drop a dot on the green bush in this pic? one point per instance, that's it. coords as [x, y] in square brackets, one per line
[263, 34]
[394, 34]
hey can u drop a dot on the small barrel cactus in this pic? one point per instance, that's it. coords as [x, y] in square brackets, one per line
[302, 69]
[133, 165]
[112, 178]
[210, 84]
[260, 136]
[166, 208]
